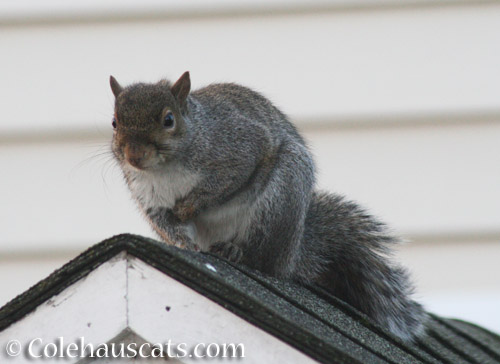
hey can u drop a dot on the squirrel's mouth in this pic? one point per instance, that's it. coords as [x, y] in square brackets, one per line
[136, 165]
[142, 165]
[140, 157]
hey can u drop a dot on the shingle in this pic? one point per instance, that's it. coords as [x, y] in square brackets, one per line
[457, 343]
[486, 340]
[434, 346]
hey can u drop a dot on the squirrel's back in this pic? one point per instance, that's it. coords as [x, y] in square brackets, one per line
[229, 100]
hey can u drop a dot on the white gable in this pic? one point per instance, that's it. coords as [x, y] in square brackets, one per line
[126, 300]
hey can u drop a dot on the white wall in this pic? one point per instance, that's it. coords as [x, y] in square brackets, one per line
[401, 106]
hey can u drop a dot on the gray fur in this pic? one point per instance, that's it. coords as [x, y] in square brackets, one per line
[234, 177]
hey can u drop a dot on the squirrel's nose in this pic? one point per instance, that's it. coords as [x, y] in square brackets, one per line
[137, 155]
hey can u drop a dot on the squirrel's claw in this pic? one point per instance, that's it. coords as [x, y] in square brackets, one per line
[229, 251]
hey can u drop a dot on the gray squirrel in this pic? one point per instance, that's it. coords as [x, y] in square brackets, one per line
[222, 170]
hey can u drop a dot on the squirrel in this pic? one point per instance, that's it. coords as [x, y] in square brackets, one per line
[222, 170]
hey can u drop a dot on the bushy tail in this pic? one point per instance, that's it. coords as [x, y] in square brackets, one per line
[347, 251]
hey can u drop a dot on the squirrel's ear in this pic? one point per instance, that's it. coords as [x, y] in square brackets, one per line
[115, 86]
[181, 88]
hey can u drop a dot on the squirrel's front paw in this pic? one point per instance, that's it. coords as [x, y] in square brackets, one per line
[229, 251]
[187, 245]
[185, 209]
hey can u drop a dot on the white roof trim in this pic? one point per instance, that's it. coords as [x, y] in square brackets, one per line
[126, 296]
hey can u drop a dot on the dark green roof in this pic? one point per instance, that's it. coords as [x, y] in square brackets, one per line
[308, 318]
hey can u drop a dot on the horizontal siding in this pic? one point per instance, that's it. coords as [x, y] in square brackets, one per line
[24, 12]
[69, 196]
[429, 181]
[335, 65]
[422, 180]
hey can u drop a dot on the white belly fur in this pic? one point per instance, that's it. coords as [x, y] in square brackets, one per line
[229, 222]
[162, 188]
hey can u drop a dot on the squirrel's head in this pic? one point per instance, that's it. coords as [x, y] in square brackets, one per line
[149, 122]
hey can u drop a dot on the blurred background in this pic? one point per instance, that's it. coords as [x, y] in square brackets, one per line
[400, 104]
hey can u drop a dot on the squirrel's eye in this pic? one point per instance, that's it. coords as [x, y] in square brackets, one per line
[114, 123]
[168, 122]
